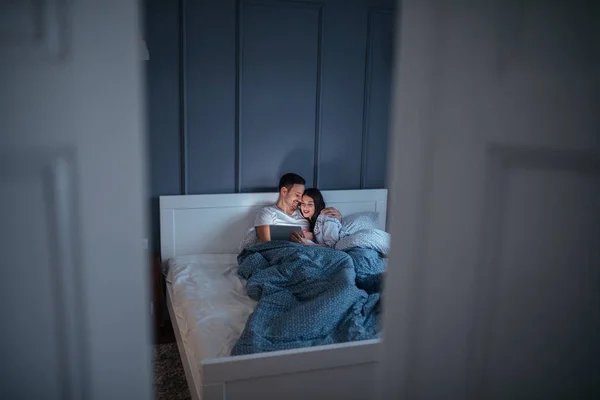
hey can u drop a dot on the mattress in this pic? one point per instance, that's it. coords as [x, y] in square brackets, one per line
[210, 303]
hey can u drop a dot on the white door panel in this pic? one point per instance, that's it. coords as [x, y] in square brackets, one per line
[31, 296]
[538, 320]
[494, 273]
[33, 32]
[74, 308]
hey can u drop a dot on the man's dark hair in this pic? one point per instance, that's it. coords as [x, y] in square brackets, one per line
[288, 180]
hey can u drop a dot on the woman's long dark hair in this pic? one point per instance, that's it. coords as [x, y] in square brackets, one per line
[317, 197]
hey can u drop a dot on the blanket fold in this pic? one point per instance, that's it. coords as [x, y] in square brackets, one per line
[309, 296]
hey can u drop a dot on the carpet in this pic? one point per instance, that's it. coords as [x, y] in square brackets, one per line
[169, 376]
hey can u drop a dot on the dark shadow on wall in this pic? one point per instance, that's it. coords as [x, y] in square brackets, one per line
[155, 225]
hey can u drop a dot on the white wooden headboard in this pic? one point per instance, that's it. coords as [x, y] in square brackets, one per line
[217, 223]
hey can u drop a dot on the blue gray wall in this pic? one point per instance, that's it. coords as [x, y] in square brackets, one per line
[240, 92]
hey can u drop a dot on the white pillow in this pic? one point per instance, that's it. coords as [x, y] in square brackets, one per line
[360, 220]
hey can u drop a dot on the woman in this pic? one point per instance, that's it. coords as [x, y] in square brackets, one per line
[312, 207]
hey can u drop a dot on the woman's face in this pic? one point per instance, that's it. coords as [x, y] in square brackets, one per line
[307, 207]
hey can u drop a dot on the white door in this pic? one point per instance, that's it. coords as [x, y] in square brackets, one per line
[73, 308]
[494, 279]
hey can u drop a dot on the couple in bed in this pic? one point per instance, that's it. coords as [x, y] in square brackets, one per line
[309, 296]
[298, 206]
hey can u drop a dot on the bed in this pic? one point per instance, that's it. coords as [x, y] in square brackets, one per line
[200, 238]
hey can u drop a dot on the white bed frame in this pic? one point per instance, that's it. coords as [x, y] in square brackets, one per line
[216, 224]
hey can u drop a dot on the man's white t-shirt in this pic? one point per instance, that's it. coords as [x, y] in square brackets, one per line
[273, 215]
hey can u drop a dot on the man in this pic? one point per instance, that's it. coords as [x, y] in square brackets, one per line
[286, 210]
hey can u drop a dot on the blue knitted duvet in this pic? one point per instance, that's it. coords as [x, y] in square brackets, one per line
[309, 296]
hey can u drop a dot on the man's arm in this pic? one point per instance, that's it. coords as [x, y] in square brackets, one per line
[332, 212]
[263, 232]
[263, 219]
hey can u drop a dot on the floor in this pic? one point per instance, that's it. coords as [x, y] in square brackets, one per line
[169, 376]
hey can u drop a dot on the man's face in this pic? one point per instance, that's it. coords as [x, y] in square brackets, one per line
[293, 197]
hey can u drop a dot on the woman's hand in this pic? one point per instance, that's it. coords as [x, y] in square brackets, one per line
[332, 212]
[298, 237]
[307, 234]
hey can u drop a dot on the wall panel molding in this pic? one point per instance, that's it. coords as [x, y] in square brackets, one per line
[238, 95]
[367, 91]
[183, 131]
[366, 100]
[241, 82]
[372, 14]
[318, 99]
[240, 4]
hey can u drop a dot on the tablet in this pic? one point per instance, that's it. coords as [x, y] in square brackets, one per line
[283, 232]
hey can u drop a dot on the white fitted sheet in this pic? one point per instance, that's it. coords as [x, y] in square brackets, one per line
[210, 303]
